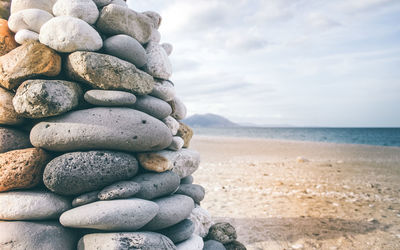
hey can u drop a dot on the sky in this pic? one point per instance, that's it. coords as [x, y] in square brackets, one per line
[329, 63]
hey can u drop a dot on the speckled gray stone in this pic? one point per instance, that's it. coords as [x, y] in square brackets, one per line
[115, 215]
[195, 242]
[24, 235]
[187, 180]
[156, 185]
[109, 98]
[121, 241]
[213, 245]
[32, 205]
[176, 144]
[122, 129]
[172, 124]
[45, 98]
[234, 245]
[194, 191]
[126, 48]
[108, 72]
[158, 64]
[170, 213]
[153, 106]
[164, 90]
[178, 109]
[81, 172]
[12, 139]
[179, 232]
[86, 198]
[121, 189]
[222, 232]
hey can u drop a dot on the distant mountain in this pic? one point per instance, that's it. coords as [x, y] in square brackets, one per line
[209, 120]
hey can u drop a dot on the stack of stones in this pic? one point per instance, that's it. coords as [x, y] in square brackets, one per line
[93, 154]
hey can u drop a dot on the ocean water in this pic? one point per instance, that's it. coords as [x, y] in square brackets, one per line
[370, 136]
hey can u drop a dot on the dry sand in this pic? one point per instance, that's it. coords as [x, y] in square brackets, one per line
[344, 197]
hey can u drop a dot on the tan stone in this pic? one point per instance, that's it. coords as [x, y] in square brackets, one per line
[22, 169]
[8, 115]
[186, 133]
[27, 61]
[7, 41]
[154, 162]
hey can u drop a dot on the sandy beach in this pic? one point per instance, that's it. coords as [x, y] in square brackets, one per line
[336, 197]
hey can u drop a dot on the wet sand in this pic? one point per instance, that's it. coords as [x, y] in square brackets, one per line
[336, 197]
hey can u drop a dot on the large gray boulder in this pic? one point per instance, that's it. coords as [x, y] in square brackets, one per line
[108, 72]
[81, 172]
[115, 215]
[121, 129]
[156, 185]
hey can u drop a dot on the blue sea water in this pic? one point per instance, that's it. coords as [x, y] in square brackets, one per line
[370, 136]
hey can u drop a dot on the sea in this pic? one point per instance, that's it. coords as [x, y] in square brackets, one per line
[368, 136]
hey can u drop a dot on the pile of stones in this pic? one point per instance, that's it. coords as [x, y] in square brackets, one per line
[93, 153]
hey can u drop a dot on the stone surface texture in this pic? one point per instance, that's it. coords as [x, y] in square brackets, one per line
[156, 185]
[7, 41]
[158, 64]
[119, 190]
[8, 115]
[12, 139]
[222, 232]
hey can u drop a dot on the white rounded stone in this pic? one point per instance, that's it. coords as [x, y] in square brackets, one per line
[25, 36]
[85, 10]
[18, 5]
[29, 19]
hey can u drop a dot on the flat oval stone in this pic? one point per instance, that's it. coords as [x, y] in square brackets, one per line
[32, 205]
[8, 115]
[108, 72]
[176, 144]
[7, 41]
[23, 235]
[156, 185]
[164, 90]
[186, 133]
[202, 221]
[179, 232]
[84, 199]
[122, 129]
[195, 242]
[12, 139]
[194, 191]
[124, 215]
[109, 98]
[80, 172]
[25, 36]
[222, 232]
[115, 19]
[153, 106]
[169, 213]
[18, 5]
[134, 240]
[28, 19]
[85, 10]
[172, 124]
[213, 245]
[119, 190]
[68, 34]
[22, 169]
[126, 48]
[178, 109]
[158, 64]
[45, 98]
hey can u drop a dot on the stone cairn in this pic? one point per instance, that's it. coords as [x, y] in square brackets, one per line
[92, 151]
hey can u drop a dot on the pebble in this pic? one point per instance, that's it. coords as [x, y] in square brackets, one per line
[18, 5]
[8, 116]
[187, 180]
[22, 235]
[109, 98]
[301, 159]
[179, 232]
[126, 48]
[121, 129]
[119, 190]
[194, 191]
[27, 61]
[172, 124]
[86, 198]
[25, 36]
[108, 72]
[115, 19]
[12, 139]
[222, 232]
[169, 213]
[202, 221]
[164, 90]
[234, 245]
[156, 185]
[176, 144]
[213, 245]
[168, 48]
[32, 205]
[85, 10]
[133, 240]
[45, 98]
[183, 162]
[81, 172]
[153, 106]
[28, 19]
[116, 215]
[158, 64]
[21, 169]
[178, 109]
[7, 41]
[186, 133]
[72, 35]
[195, 242]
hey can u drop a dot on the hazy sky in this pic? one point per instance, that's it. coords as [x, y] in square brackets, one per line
[304, 62]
